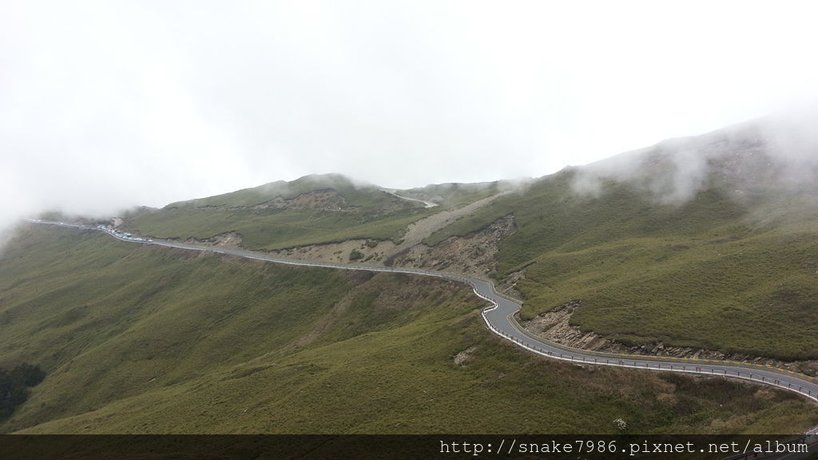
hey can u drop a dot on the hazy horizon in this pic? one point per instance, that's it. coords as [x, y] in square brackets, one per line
[106, 106]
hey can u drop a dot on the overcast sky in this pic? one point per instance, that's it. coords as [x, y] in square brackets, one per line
[110, 104]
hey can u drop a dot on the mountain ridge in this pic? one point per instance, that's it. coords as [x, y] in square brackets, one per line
[181, 343]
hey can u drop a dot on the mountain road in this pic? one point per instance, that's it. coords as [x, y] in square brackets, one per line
[499, 319]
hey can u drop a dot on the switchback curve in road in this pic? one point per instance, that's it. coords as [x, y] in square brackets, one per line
[499, 319]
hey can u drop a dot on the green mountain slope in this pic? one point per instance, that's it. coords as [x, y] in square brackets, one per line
[731, 265]
[150, 340]
[454, 195]
[310, 210]
[705, 242]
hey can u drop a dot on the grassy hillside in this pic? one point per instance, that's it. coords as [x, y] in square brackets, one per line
[455, 195]
[353, 195]
[148, 340]
[310, 210]
[733, 268]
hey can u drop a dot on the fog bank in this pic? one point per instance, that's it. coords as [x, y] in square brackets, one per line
[779, 151]
[106, 105]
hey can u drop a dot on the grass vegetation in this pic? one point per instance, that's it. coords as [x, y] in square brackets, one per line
[356, 195]
[712, 272]
[149, 340]
[274, 229]
[455, 195]
[356, 212]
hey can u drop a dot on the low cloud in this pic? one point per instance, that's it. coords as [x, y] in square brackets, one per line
[107, 105]
[779, 151]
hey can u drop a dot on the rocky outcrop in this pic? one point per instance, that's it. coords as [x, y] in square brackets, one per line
[462, 358]
[473, 255]
[226, 240]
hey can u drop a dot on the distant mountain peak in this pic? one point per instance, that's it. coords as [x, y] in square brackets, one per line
[322, 192]
[742, 159]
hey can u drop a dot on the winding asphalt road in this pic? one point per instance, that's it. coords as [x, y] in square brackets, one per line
[500, 319]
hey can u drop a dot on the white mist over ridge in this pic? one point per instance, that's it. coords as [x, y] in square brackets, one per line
[109, 105]
[779, 150]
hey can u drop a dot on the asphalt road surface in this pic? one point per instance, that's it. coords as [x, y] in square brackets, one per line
[500, 320]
